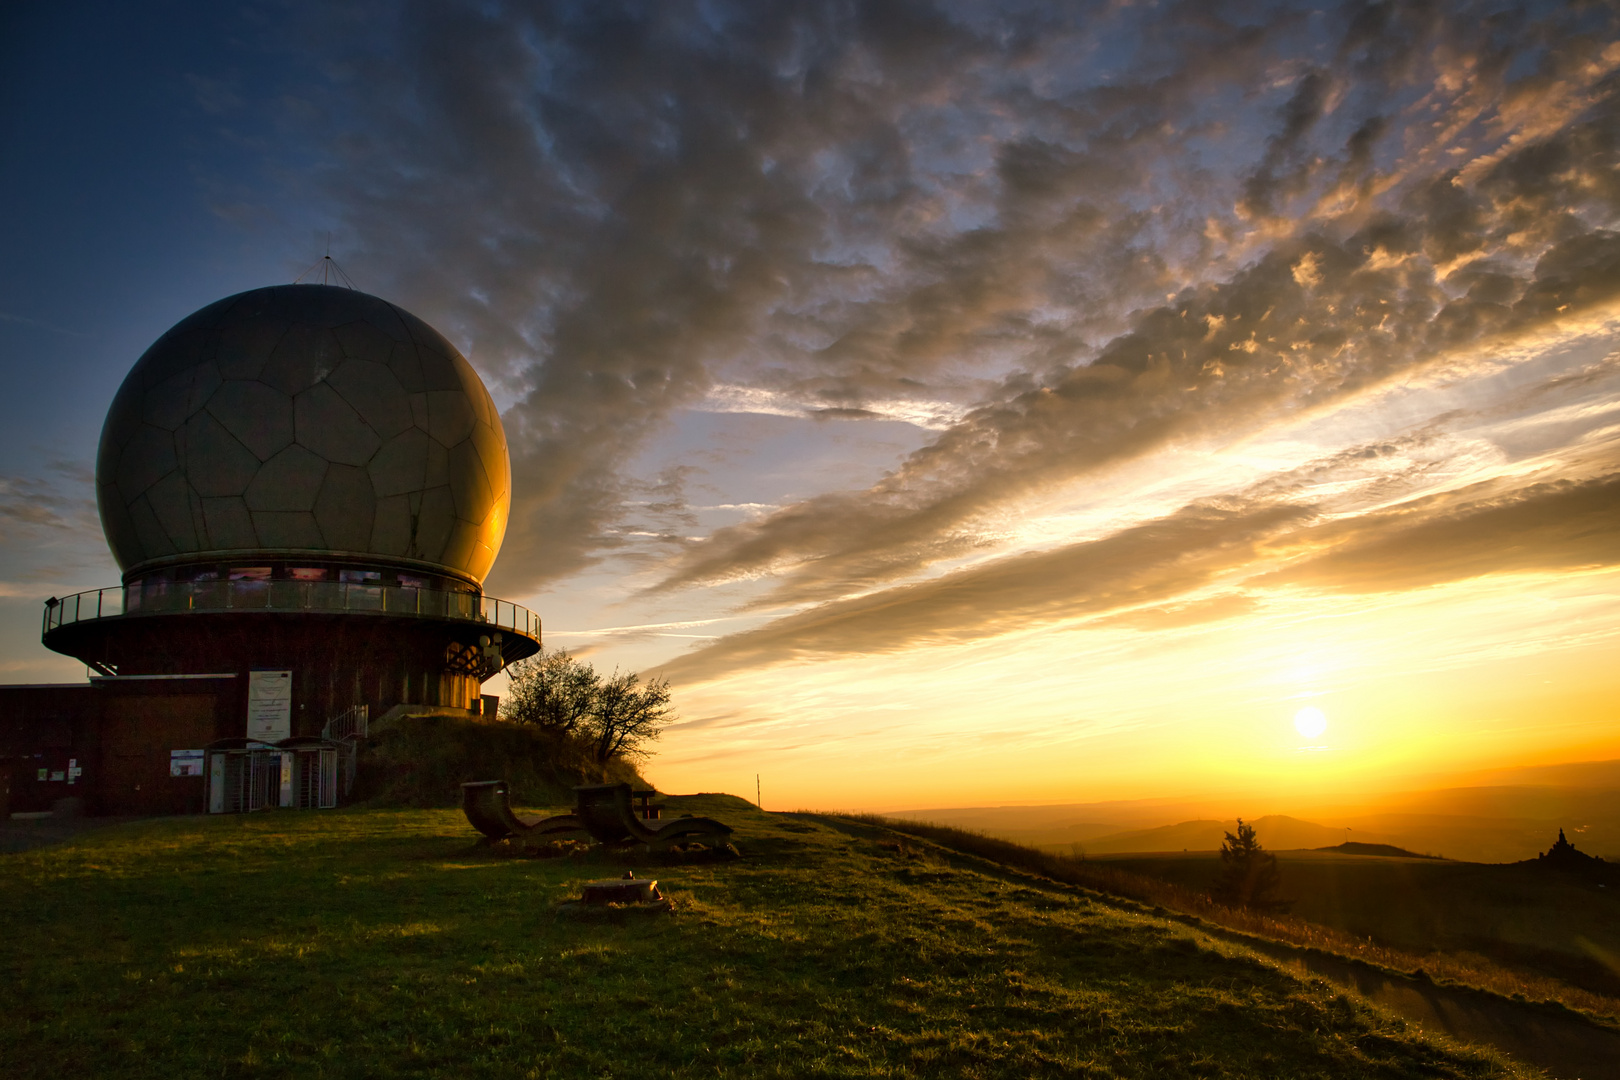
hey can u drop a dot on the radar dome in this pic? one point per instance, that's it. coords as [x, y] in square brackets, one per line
[304, 421]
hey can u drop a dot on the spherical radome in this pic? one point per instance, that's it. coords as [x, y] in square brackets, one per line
[304, 420]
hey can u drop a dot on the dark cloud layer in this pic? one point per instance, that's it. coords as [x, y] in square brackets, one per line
[1105, 230]
[1147, 564]
[1133, 578]
[1558, 526]
[1314, 320]
[59, 504]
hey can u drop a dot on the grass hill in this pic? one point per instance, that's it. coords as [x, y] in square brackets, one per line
[1388, 851]
[387, 943]
[1526, 916]
[422, 759]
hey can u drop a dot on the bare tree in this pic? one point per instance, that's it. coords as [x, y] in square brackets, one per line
[617, 716]
[628, 715]
[553, 691]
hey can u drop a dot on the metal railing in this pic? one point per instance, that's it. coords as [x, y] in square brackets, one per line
[348, 728]
[168, 597]
[352, 723]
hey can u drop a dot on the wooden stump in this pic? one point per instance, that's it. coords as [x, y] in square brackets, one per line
[626, 890]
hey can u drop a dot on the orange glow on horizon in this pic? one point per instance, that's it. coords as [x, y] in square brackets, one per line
[1418, 685]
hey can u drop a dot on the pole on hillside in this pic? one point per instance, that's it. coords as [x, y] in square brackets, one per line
[757, 801]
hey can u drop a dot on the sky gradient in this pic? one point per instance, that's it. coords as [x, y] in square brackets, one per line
[960, 404]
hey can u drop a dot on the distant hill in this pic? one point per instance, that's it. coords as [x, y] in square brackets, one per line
[1590, 775]
[1507, 815]
[1058, 823]
[1356, 847]
[1275, 831]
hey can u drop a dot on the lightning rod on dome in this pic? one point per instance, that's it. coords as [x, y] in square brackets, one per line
[329, 268]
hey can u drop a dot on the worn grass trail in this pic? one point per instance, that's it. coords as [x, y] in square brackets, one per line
[378, 944]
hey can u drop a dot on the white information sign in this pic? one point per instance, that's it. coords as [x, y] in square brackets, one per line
[269, 705]
[185, 762]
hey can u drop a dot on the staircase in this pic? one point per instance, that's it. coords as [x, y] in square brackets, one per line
[347, 729]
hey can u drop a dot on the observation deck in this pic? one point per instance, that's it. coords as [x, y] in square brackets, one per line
[73, 624]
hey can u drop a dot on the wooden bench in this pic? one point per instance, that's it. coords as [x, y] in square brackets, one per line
[606, 812]
[488, 808]
[602, 812]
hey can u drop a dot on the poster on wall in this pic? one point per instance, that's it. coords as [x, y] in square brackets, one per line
[269, 705]
[185, 762]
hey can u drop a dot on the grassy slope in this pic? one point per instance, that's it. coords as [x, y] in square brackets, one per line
[1548, 922]
[1186, 890]
[383, 943]
[420, 761]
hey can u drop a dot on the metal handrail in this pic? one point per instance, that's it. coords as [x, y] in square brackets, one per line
[169, 597]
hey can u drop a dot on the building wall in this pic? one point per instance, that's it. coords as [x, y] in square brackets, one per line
[118, 735]
[49, 729]
[137, 733]
[337, 661]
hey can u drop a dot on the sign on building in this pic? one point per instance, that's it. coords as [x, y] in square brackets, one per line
[186, 762]
[269, 705]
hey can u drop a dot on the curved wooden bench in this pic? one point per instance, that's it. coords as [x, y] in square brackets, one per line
[605, 811]
[488, 808]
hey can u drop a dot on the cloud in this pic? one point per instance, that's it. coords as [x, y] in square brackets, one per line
[1547, 527]
[1158, 575]
[1221, 362]
[31, 503]
[923, 413]
[1150, 563]
[1314, 321]
[6, 316]
[1191, 613]
[1064, 240]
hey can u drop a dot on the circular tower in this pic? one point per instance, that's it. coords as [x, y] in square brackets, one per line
[303, 478]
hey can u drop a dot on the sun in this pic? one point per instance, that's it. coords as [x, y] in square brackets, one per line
[1310, 722]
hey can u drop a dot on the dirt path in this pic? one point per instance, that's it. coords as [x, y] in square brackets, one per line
[25, 834]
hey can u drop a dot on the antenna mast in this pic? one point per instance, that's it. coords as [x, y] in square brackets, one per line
[330, 270]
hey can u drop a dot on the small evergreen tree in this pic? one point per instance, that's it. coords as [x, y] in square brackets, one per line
[1249, 875]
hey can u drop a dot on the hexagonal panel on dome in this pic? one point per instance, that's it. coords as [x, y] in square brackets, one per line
[172, 401]
[370, 387]
[260, 416]
[289, 481]
[303, 418]
[332, 428]
[213, 460]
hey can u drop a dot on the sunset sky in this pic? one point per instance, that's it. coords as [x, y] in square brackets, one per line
[958, 403]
